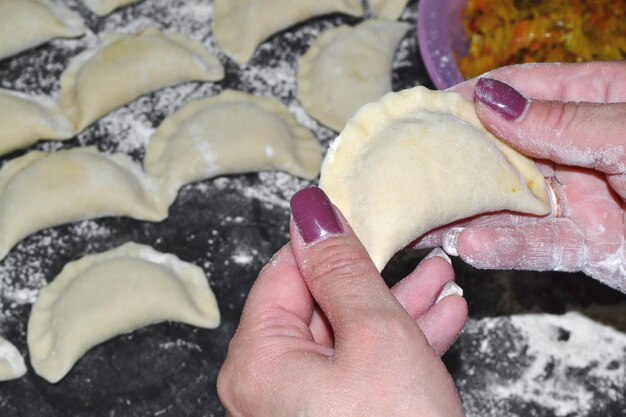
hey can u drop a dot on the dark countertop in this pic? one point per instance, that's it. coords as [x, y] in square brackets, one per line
[537, 344]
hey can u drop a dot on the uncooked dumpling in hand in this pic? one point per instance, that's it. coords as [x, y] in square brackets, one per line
[239, 26]
[25, 24]
[104, 295]
[346, 68]
[231, 133]
[12, 364]
[104, 7]
[26, 119]
[40, 190]
[125, 67]
[419, 159]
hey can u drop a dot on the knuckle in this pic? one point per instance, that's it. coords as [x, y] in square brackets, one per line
[226, 384]
[337, 261]
[618, 184]
[561, 118]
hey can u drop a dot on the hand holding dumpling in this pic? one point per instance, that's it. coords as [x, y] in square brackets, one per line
[574, 117]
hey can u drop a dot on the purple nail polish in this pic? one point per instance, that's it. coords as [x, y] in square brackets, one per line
[501, 97]
[314, 215]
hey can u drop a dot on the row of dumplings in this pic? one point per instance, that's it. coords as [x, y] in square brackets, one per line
[344, 69]
[232, 132]
[47, 20]
[122, 68]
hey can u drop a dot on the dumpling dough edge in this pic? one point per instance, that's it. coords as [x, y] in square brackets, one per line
[72, 21]
[12, 364]
[104, 7]
[52, 123]
[70, 25]
[388, 9]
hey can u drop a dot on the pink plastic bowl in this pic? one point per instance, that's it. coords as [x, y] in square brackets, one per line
[440, 37]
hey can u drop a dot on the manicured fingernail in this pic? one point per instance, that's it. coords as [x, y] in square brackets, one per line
[440, 253]
[451, 288]
[314, 215]
[500, 97]
[450, 239]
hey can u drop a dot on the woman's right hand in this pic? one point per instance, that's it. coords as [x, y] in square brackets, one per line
[572, 119]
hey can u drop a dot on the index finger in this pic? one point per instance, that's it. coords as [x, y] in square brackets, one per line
[593, 82]
[576, 133]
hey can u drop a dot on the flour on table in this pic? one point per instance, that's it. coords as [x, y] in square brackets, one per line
[568, 364]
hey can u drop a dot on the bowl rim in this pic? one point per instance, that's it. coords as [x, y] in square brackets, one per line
[435, 41]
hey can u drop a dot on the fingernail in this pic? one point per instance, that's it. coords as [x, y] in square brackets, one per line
[451, 288]
[440, 253]
[555, 201]
[500, 97]
[450, 239]
[314, 215]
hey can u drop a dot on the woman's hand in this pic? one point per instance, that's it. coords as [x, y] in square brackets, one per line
[322, 335]
[571, 117]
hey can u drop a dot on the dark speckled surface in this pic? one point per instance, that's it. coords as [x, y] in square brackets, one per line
[535, 345]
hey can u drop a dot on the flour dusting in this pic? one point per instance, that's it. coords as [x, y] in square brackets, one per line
[559, 362]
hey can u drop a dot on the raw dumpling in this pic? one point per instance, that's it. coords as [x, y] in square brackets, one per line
[388, 9]
[40, 190]
[239, 26]
[12, 364]
[26, 119]
[104, 7]
[346, 68]
[418, 159]
[128, 66]
[231, 133]
[25, 24]
[101, 296]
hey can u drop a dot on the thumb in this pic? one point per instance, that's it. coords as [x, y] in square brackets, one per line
[588, 135]
[336, 267]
